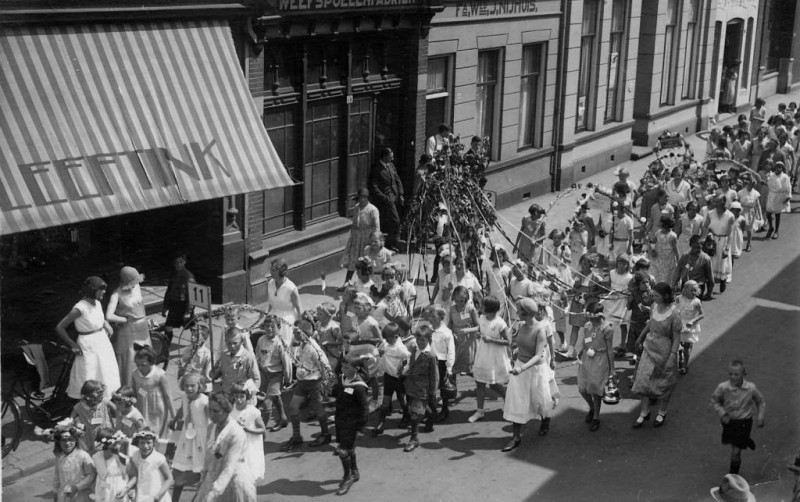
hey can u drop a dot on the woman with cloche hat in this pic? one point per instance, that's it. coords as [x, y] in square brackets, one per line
[126, 310]
[94, 356]
[366, 220]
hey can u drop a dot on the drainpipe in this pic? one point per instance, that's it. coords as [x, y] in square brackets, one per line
[560, 102]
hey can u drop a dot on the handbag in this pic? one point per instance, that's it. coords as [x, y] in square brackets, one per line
[450, 389]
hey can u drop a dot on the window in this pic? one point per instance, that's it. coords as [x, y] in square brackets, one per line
[690, 67]
[745, 75]
[281, 125]
[616, 61]
[488, 99]
[438, 104]
[586, 79]
[321, 175]
[671, 38]
[531, 96]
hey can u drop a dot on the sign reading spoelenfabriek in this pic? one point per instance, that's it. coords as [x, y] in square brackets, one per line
[320, 5]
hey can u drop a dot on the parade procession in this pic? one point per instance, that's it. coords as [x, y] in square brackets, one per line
[399, 250]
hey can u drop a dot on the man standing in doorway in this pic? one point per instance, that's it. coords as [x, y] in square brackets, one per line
[386, 191]
[435, 143]
[176, 299]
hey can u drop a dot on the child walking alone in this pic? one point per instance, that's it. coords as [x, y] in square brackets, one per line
[736, 401]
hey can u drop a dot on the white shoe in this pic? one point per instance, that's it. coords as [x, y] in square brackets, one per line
[475, 416]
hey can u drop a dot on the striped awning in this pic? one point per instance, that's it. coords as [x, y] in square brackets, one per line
[104, 119]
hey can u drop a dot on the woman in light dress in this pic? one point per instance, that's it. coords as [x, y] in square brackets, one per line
[126, 310]
[366, 220]
[283, 299]
[95, 358]
[719, 224]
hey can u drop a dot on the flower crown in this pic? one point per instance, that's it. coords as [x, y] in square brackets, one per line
[116, 438]
[144, 435]
[127, 400]
[66, 426]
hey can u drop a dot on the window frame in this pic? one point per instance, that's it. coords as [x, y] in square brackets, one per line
[692, 50]
[589, 86]
[446, 93]
[614, 113]
[669, 66]
[531, 117]
[495, 142]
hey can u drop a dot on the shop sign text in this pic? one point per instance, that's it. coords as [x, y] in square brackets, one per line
[310, 5]
[58, 181]
[488, 8]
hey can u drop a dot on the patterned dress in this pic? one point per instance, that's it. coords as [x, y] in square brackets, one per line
[93, 419]
[664, 262]
[530, 231]
[73, 469]
[657, 371]
[365, 221]
[466, 343]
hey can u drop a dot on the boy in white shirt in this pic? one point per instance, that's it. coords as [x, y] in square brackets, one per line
[394, 355]
[444, 348]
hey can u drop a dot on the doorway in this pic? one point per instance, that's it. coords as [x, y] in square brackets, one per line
[731, 65]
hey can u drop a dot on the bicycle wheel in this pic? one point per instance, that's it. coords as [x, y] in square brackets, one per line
[12, 427]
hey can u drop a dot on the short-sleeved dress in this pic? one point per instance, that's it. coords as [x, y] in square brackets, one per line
[737, 236]
[280, 302]
[149, 479]
[529, 393]
[97, 360]
[751, 207]
[531, 231]
[780, 188]
[150, 399]
[492, 363]
[466, 343]
[254, 443]
[71, 469]
[93, 419]
[190, 442]
[721, 265]
[663, 264]
[689, 309]
[112, 478]
[133, 332]
[586, 292]
[615, 304]
[365, 222]
[657, 372]
[593, 370]
[689, 227]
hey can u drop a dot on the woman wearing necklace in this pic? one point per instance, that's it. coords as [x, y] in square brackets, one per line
[597, 361]
[283, 299]
[657, 372]
[224, 476]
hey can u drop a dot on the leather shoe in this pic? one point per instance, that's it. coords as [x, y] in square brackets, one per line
[278, 426]
[545, 427]
[322, 439]
[412, 445]
[291, 444]
[428, 428]
[345, 487]
[640, 421]
[595, 425]
[511, 444]
[660, 419]
[589, 417]
[378, 430]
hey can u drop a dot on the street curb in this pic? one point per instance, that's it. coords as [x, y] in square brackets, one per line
[18, 473]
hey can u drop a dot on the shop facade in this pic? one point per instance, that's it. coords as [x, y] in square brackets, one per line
[337, 82]
[119, 148]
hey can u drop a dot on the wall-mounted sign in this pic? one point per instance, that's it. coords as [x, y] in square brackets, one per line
[315, 5]
[466, 10]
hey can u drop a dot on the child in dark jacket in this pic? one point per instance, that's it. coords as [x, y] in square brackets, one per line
[352, 411]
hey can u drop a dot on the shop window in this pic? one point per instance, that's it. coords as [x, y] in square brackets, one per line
[321, 172]
[615, 86]
[780, 32]
[531, 96]
[669, 68]
[282, 127]
[488, 99]
[748, 54]
[691, 50]
[588, 63]
[439, 94]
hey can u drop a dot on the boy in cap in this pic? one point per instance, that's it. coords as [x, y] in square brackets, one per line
[736, 401]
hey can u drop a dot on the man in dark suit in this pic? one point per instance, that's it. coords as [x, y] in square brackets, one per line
[421, 381]
[386, 191]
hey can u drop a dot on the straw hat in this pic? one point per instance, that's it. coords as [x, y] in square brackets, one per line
[733, 488]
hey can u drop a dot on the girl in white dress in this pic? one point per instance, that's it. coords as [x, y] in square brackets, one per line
[492, 363]
[95, 359]
[249, 418]
[719, 223]
[152, 390]
[112, 472]
[780, 193]
[737, 236]
[148, 470]
[191, 429]
[750, 199]
[691, 310]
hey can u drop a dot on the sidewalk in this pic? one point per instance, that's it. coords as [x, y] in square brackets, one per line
[34, 455]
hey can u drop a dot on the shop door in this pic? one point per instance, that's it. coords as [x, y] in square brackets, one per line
[360, 151]
[324, 123]
[389, 127]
